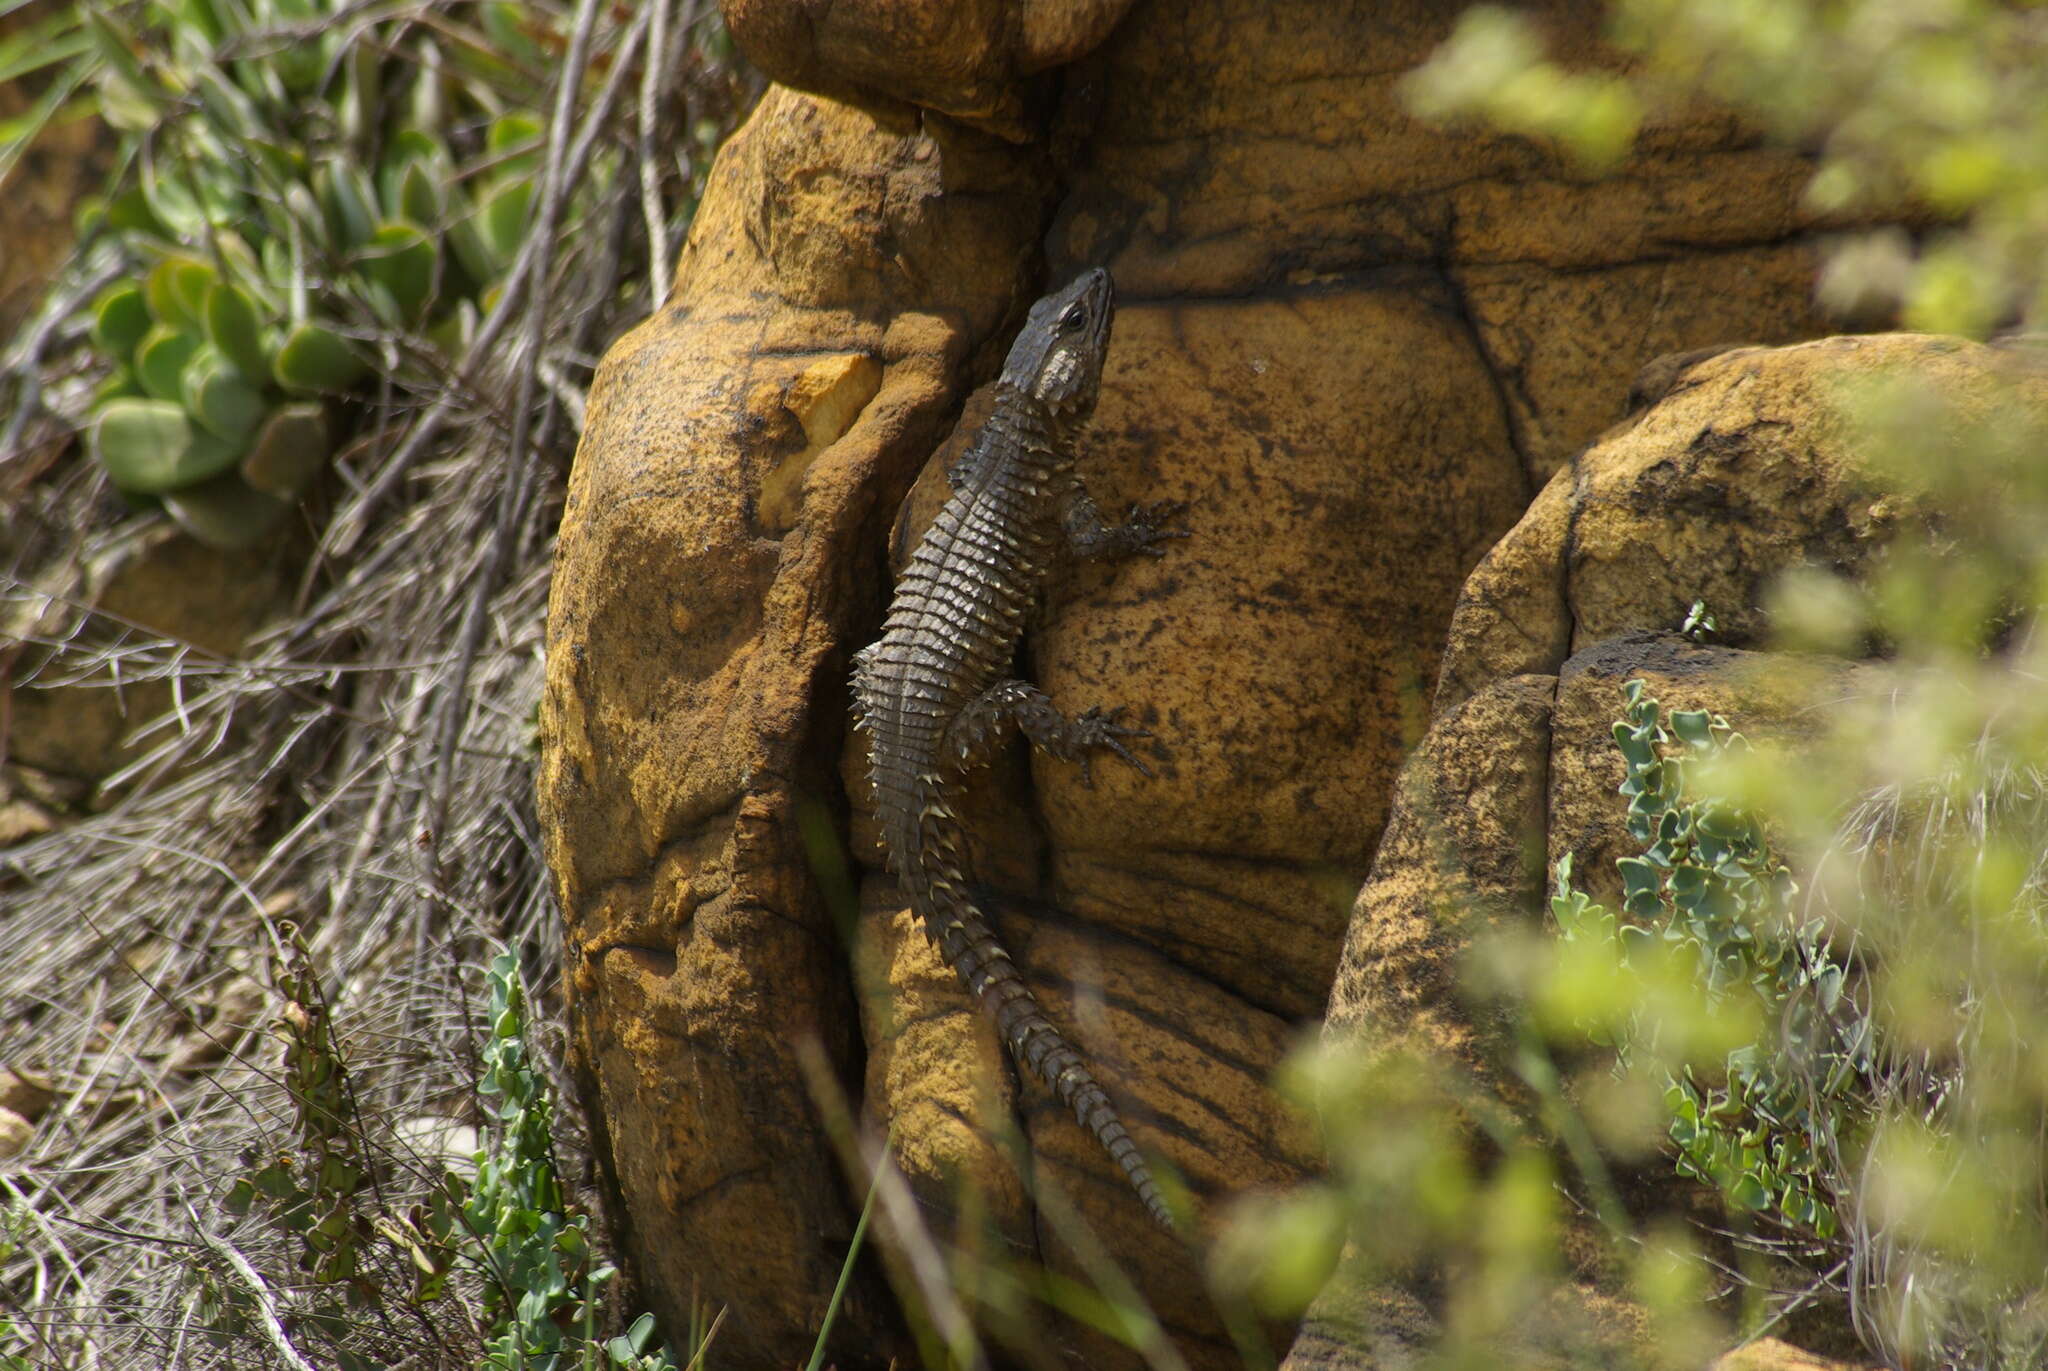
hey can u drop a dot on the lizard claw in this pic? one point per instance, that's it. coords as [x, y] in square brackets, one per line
[1145, 525]
[1094, 729]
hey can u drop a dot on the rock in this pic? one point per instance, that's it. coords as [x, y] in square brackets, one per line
[845, 268]
[1352, 343]
[21, 820]
[1746, 469]
[25, 1093]
[969, 59]
[438, 1139]
[1769, 1354]
[1461, 855]
[15, 1134]
[1231, 148]
[1506, 782]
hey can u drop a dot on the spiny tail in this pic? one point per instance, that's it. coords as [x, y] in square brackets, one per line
[961, 932]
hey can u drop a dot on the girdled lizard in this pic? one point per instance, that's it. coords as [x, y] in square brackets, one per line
[936, 696]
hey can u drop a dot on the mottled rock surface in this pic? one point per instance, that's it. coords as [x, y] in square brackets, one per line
[721, 553]
[1352, 344]
[1746, 468]
[1772, 1354]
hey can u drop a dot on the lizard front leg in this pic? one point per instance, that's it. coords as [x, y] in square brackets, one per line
[1142, 530]
[977, 730]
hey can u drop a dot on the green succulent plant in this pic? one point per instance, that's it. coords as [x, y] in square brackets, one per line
[295, 222]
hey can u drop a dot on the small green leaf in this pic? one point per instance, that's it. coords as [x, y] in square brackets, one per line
[1749, 1192]
[403, 260]
[176, 290]
[160, 361]
[120, 320]
[503, 222]
[1693, 726]
[129, 212]
[409, 148]
[1640, 882]
[349, 200]
[314, 360]
[171, 198]
[150, 447]
[514, 145]
[232, 326]
[453, 332]
[418, 198]
[289, 451]
[465, 235]
[220, 398]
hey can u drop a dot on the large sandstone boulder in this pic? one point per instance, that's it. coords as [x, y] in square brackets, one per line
[1748, 468]
[721, 556]
[1353, 345]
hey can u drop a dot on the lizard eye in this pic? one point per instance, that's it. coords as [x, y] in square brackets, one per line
[1073, 318]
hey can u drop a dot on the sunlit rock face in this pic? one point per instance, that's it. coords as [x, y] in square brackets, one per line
[1355, 346]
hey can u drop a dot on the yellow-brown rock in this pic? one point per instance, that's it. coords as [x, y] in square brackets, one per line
[969, 59]
[1749, 467]
[1352, 344]
[1222, 147]
[1772, 1354]
[721, 550]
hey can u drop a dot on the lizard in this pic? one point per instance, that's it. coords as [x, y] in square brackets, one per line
[935, 694]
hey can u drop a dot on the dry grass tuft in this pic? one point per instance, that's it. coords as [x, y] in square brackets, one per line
[361, 769]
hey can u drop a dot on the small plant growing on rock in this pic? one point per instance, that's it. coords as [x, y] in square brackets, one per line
[541, 1293]
[1770, 1129]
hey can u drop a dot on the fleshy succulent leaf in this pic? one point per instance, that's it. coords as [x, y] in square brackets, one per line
[150, 446]
[160, 360]
[315, 360]
[503, 222]
[176, 290]
[120, 320]
[403, 260]
[234, 327]
[289, 451]
[225, 512]
[219, 398]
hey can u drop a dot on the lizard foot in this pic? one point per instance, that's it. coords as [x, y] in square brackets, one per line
[1094, 730]
[1145, 526]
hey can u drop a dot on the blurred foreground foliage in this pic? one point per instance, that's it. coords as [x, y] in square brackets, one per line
[1929, 109]
[1823, 997]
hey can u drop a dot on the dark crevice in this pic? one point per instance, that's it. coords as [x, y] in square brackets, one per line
[1496, 374]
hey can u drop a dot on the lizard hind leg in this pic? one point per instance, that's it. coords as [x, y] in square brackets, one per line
[979, 729]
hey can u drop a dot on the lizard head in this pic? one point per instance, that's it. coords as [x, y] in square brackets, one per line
[1057, 359]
